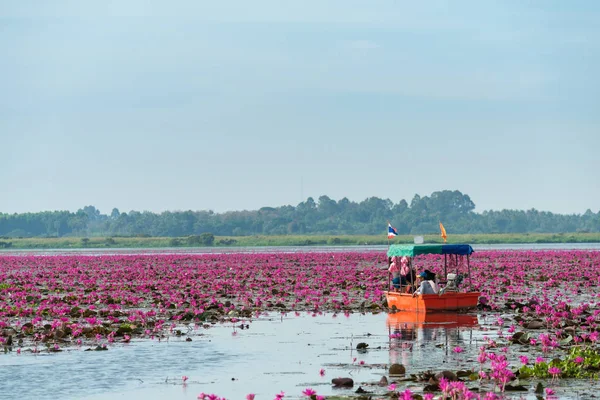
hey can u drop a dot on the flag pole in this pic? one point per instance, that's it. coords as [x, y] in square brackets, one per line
[387, 258]
[388, 236]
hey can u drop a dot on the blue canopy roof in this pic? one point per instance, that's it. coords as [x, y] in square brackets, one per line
[460, 249]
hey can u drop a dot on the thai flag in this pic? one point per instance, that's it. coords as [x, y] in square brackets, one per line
[392, 231]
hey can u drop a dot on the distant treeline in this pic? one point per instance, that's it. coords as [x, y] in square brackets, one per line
[325, 217]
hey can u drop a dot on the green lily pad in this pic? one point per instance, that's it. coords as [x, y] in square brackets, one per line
[566, 341]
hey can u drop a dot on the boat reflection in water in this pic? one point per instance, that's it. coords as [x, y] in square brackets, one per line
[425, 340]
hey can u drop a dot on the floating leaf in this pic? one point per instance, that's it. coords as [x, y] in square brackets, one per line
[566, 341]
[539, 388]
[515, 388]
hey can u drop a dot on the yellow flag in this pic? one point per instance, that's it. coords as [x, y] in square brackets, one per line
[443, 232]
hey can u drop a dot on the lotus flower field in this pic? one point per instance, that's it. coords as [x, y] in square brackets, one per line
[544, 302]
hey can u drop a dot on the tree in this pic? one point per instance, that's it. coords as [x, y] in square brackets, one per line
[92, 213]
[78, 222]
[57, 224]
[455, 209]
[326, 206]
[207, 239]
[115, 213]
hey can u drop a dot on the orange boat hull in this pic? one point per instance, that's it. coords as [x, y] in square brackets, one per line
[432, 302]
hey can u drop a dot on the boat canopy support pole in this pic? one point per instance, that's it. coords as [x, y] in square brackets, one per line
[389, 273]
[445, 266]
[456, 263]
[410, 271]
[469, 271]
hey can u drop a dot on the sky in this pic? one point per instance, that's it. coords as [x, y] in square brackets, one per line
[236, 105]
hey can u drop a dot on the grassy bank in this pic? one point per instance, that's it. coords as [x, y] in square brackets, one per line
[286, 240]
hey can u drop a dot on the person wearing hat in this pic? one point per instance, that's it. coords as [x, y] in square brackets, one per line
[426, 286]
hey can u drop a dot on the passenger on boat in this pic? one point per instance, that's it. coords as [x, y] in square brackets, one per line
[426, 286]
[408, 275]
[394, 269]
[430, 276]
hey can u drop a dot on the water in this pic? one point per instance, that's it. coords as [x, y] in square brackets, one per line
[285, 249]
[277, 353]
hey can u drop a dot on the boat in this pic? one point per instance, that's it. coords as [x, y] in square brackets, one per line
[448, 301]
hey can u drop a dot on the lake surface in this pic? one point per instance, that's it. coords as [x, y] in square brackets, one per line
[288, 249]
[277, 353]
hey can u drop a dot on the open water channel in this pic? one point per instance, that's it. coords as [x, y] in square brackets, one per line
[278, 249]
[276, 353]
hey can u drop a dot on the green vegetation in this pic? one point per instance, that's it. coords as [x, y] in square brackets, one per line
[580, 363]
[323, 217]
[288, 240]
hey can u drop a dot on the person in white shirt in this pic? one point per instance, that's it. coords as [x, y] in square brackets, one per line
[426, 286]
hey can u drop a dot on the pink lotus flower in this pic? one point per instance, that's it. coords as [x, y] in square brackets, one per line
[250, 396]
[524, 359]
[578, 360]
[308, 392]
[491, 396]
[322, 372]
[482, 357]
[458, 349]
[87, 283]
[444, 384]
[184, 378]
[554, 371]
[392, 387]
